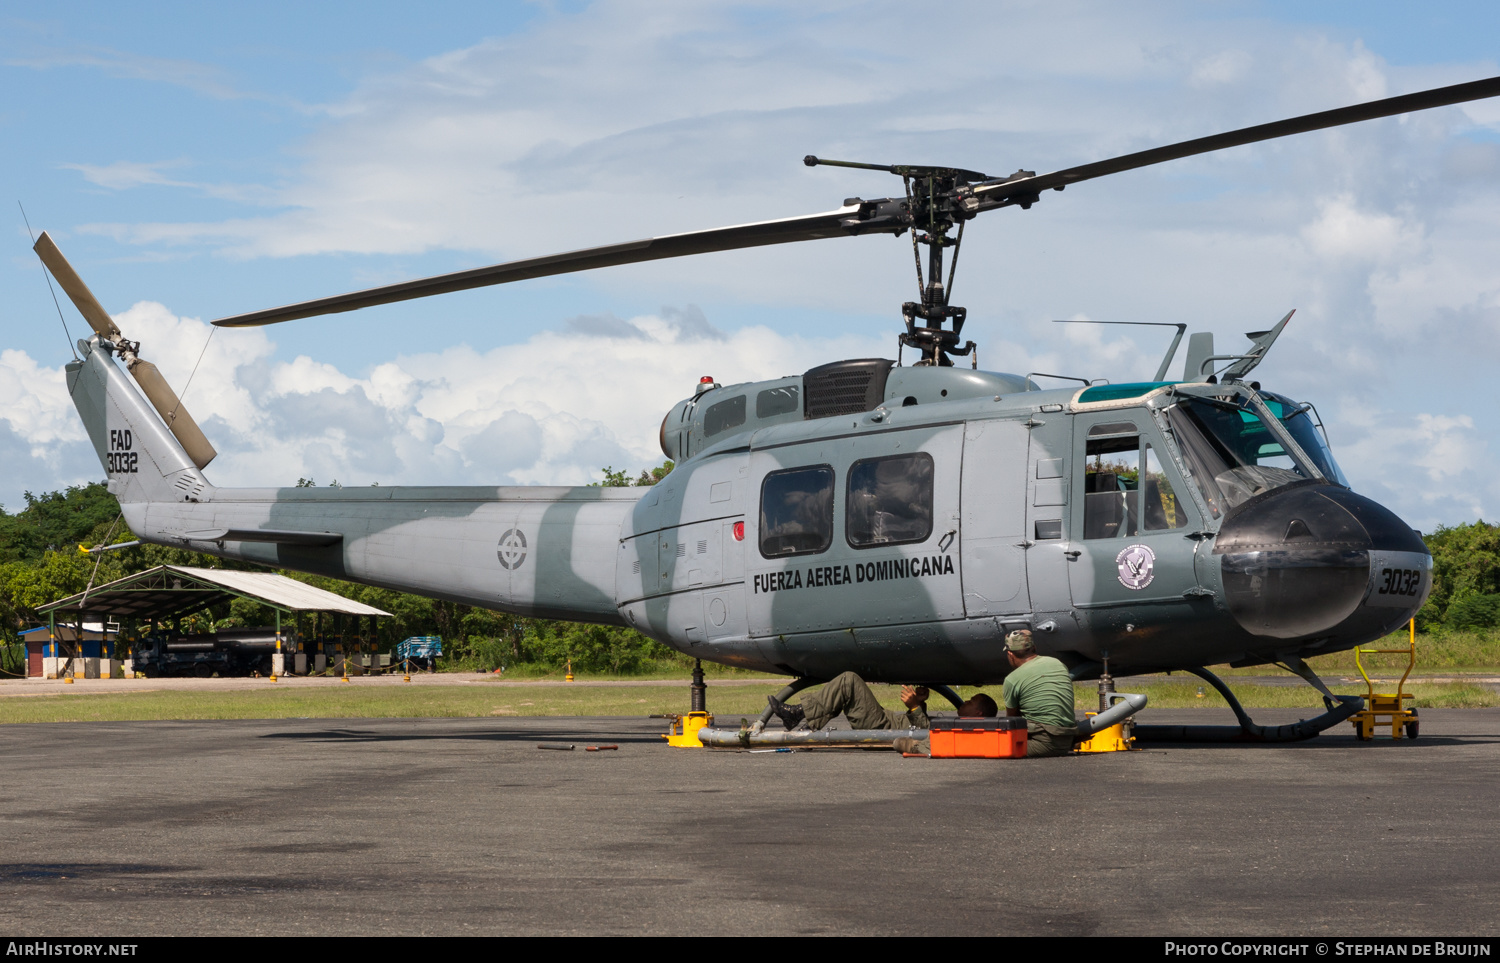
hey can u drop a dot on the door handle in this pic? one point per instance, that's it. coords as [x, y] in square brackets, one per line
[1073, 552]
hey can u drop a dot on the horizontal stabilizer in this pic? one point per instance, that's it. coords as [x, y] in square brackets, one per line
[314, 539]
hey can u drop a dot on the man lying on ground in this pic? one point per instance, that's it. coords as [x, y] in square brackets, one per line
[848, 694]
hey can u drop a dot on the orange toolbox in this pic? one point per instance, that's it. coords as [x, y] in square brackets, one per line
[1003, 738]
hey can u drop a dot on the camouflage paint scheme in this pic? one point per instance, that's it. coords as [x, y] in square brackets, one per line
[1006, 548]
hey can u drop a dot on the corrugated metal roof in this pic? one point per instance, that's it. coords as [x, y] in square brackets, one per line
[280, 590]
[168, 590]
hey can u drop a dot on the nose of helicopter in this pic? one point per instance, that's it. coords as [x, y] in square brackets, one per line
[1319, 560]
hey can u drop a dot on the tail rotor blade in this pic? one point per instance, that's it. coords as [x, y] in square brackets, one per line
[165, 400]
[88, 306]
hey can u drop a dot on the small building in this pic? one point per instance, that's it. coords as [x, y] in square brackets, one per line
[166, 593]
[46, 644]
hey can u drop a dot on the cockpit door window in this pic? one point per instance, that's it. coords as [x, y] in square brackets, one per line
[1125, 489]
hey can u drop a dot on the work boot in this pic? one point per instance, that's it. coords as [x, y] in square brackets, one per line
[791, 716]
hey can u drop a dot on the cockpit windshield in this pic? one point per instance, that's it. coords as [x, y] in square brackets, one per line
[1233, 452]
[1299, 424]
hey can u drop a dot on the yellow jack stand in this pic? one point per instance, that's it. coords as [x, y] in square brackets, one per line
[683, 733]
[1112, 739]
[1387, 708]
[568, 676]
[1118, 737]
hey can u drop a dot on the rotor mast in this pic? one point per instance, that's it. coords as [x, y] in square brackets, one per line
[938, 199]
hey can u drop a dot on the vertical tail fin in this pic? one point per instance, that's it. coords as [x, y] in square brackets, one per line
[155, 387]
[144, 461]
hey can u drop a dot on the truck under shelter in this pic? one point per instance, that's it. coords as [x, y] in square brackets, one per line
[313, 629]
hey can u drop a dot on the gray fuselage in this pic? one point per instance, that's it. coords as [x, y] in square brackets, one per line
[901, 538]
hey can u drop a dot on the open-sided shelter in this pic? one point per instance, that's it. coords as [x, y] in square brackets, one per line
[169, 592]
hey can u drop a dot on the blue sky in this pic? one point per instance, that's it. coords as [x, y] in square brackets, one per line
[195, 161]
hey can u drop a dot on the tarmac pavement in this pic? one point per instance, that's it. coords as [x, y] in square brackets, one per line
[462, 826]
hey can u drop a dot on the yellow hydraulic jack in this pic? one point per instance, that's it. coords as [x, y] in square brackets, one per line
[1387, 708]
[683, 732]
[1113, 739]
[1116, 738]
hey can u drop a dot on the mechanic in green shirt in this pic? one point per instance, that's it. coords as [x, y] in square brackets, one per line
[1040, 689]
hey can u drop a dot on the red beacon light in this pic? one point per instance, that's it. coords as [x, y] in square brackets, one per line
[706, 383]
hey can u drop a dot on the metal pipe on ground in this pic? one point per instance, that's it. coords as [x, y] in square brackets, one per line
[824, 738]
[1128, 705]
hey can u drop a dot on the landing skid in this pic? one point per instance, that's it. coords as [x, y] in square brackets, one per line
[1340, 708]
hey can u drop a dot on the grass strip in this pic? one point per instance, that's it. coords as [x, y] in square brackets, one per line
[729, 703]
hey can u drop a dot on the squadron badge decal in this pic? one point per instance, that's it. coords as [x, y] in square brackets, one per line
[512, 551]
[1137, 565]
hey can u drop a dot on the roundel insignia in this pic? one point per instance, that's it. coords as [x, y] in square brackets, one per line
[1137, 565]
[512, 550]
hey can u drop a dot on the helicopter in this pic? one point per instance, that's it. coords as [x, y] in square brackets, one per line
[893, 519]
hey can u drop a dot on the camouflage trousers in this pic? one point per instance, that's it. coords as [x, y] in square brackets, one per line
[849, 695]
[1048, 740]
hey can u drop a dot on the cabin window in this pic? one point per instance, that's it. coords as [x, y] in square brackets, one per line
[890, 500]
[777, 401]
[727, 414]
[796, 511]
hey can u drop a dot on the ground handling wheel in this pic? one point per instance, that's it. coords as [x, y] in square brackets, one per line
[1411, 726]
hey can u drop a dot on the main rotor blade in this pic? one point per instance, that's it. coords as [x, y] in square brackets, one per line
[83, 299]
[840, 223]
[1390, 106]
